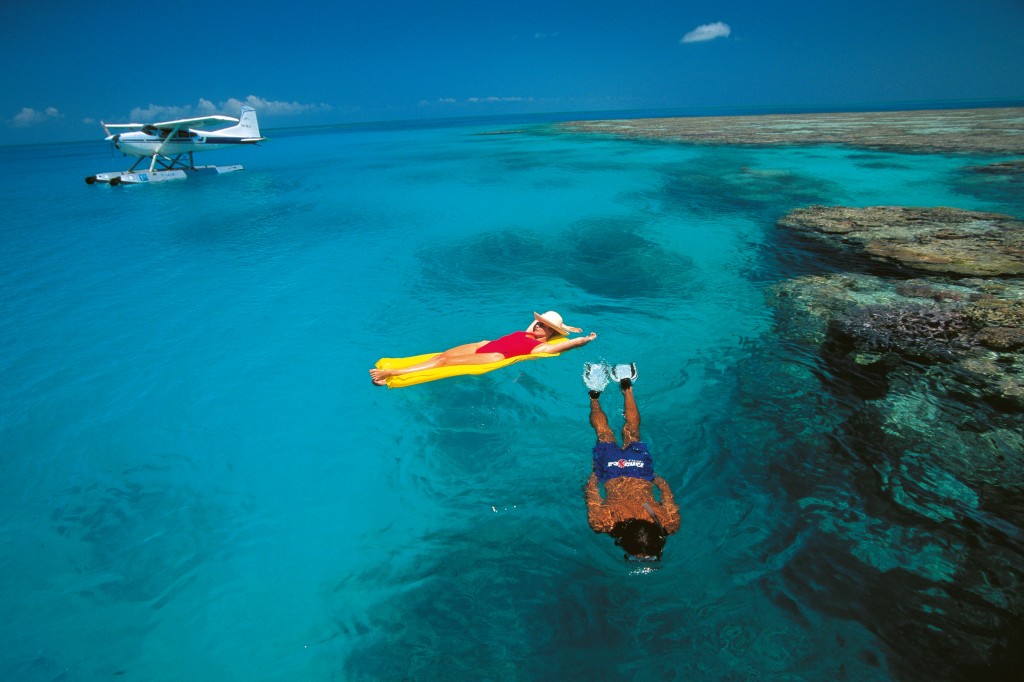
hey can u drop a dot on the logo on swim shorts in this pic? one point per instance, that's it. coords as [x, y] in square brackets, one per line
[623, 463]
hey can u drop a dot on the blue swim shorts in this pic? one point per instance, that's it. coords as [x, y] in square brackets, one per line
[611, 461]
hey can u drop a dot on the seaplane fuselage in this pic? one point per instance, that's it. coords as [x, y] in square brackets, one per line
[147, 142]
[170, 144]
[177, 137]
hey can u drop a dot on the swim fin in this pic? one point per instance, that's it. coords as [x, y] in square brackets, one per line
[624, 373]
[595, 376]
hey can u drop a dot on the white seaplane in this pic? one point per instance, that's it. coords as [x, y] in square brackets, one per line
[169, 146]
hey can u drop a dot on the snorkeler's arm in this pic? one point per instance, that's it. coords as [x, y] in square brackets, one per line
[671, 520]
[597, 514]
[568, 344]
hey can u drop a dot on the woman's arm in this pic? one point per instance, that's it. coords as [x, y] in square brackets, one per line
[563, 345]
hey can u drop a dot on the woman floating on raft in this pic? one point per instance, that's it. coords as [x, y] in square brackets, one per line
[546, 336]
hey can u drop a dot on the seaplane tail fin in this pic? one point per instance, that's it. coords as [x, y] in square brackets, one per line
[247, 122]
[248, 128]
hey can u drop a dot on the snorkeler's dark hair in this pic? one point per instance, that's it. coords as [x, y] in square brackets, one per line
[639, 537]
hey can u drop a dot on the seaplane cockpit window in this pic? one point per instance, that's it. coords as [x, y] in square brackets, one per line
[149, 130]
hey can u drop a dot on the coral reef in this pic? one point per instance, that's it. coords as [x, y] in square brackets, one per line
[941, 240]
[917, 331]
[985, 131]
[975, 327]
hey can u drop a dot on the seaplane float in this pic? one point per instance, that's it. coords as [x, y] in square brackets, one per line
[169, 146]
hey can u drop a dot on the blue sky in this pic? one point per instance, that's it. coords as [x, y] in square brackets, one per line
[67, 65]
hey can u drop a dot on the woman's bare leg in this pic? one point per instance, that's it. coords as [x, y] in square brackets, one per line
[631, 429]
[464, 349]
[460, 355]
[599, 420]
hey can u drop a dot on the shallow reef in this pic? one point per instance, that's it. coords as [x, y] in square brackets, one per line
[973, 131]
[930, 369]
[974, 328]
[931, 239]
[930, 375]
[974, 324]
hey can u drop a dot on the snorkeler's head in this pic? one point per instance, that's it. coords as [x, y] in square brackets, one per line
[643, 540]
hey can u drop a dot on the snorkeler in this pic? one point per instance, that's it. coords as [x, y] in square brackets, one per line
[629, 512]
[544, 335]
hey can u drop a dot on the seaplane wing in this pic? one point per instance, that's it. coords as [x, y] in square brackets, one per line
[124, 126]
[201, 122]
[166, 143]
[171, 127]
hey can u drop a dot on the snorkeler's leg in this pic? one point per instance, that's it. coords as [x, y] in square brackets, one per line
[599, 420]
[631, 429]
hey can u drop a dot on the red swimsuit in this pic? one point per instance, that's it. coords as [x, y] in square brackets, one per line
[510, 345]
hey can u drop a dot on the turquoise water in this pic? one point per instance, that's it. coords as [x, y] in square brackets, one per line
[199, 481]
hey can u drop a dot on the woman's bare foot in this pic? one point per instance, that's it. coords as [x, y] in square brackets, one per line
[379, 377]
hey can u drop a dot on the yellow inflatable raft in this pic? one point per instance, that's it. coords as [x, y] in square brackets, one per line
[425, 375]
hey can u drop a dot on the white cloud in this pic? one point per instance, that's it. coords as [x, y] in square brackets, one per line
[30, 117]
[205, 107]
[451, 101]
[274, 107]
[493, 100]
[706, 32]
[156, 112]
